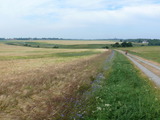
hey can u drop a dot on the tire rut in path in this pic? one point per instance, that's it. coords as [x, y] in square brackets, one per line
[146, 62]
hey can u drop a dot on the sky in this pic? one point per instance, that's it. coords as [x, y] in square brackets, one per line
[80, 19]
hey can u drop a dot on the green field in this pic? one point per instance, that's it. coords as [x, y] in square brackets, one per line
[148, 52]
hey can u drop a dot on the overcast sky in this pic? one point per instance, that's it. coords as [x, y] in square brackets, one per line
[80, 18]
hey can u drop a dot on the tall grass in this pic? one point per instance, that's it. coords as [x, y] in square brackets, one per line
[124, 95]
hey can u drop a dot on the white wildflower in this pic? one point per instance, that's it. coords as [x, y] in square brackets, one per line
[99, 108]
[107, 105]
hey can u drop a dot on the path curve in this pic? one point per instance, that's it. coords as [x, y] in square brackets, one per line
[155, 78]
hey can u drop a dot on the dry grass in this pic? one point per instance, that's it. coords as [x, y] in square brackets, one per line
[13, 67]
[45, 93]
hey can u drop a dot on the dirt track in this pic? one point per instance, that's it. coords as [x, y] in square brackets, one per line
[150, 69]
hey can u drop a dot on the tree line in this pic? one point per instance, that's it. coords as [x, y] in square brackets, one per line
[151, 42]
[154, 43]
[123, 44]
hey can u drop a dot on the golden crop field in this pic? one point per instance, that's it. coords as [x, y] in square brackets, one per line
[34, 82]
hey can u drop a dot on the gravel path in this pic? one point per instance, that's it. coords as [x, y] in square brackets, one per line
[149, 73]
[146, 62]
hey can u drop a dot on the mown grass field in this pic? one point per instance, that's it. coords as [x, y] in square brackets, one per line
[148, 52]
[123, 95]
[41, 83]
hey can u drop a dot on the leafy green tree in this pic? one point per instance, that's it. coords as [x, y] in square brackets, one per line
[116, 45]
[124, 44]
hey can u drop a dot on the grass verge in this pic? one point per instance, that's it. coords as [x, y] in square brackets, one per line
[123, 95]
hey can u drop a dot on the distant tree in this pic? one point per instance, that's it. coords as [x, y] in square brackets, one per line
[129, 44]
[116, 45]
[2, 38]
[126, 44]
[105, 47]
[123, 44]
[25, 44]
[55, 46]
